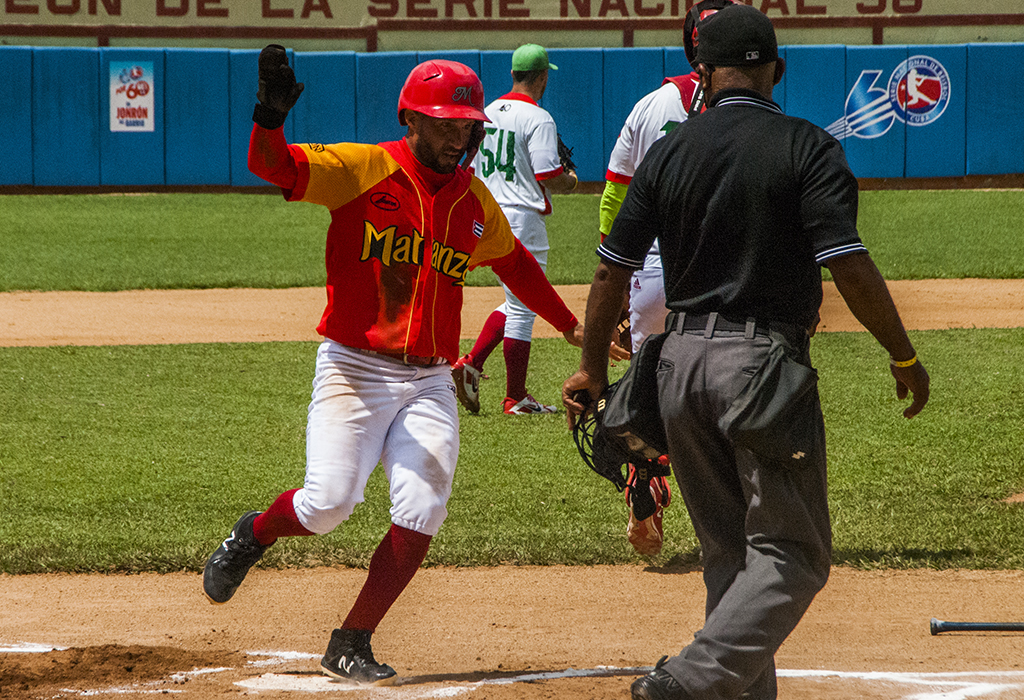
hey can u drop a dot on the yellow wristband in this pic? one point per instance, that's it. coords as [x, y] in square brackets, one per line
[576, 181]
[905, 363]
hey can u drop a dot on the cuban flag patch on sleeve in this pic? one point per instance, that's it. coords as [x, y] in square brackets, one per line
[478, 229]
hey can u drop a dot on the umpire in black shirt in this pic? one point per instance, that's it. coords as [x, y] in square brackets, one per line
[747, 204]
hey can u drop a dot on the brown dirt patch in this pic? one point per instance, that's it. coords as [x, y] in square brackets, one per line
[259, 315]
[503, 632]
[83, 670]
[463, 630]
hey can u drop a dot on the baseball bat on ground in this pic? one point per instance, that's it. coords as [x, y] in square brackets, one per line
[939, 626]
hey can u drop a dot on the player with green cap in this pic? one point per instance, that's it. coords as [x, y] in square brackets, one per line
[518, 161]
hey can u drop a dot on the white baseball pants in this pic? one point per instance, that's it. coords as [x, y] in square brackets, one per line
[647, 310]
[370, 409]
[528, 226]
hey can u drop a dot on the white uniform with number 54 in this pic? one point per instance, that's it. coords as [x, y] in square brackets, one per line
[519, 152]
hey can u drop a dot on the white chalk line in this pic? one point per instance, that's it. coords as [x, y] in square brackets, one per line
[150, 688]
[943, 686]
[28, 648]
[410, 689]
[960, 685]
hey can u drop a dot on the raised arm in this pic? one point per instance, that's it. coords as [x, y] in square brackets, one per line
[269, 155]
[271, 159]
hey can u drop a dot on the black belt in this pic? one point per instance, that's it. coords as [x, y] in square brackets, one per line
[710, 323]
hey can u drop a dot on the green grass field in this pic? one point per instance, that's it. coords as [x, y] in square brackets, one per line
[169, 241]
[139, 458]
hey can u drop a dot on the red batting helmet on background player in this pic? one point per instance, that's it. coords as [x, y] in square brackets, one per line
[702, 10]
[443, 89]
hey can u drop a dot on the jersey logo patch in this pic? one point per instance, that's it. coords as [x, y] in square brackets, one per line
[917, 94]
[316, 147]
[478, 229]
[450, 263]
[385, 201]
[388, 247]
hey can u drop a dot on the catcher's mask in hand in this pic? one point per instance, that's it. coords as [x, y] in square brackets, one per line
[592, 443]
[607, 454]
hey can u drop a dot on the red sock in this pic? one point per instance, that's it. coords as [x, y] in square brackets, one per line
[392, 566]
[517, 357]
[492, 333]
[279, 520]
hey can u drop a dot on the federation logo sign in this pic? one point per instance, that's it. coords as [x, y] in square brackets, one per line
[919, 90]
[917, 94]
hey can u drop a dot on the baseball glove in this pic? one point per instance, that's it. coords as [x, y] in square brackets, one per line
[565, 155]
[278, 91]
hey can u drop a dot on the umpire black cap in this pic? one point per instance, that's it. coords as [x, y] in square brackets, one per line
[737, 35]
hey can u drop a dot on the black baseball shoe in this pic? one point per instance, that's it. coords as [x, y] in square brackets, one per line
[227, 566]
[349, 657]
[658, 685]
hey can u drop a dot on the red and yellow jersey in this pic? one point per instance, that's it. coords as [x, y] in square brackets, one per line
[399, 245]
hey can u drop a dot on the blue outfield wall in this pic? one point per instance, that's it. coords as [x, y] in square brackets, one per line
[899, 111]
[196, 124]
[16, 116]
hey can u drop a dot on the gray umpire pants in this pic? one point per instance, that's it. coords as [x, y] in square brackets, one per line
[764, 529]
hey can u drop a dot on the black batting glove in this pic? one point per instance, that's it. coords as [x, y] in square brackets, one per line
[278, 90]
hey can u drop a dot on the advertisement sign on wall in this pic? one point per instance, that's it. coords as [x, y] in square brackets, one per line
[131, 96]
[916, 93]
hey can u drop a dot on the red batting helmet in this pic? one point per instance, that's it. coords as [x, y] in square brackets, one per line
[443, 89]
[702, 10]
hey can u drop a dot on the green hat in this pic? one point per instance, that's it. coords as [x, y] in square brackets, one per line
[531, 57]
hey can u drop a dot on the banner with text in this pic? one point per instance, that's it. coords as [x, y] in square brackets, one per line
[355, 13]
[131, 96]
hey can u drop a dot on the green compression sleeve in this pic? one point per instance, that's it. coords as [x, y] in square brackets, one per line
[611, 200]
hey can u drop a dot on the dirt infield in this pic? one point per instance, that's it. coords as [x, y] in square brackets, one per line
[259, 315]
[579, 633]
[575, 633]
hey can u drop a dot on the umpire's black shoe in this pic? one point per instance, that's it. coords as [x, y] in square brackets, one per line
[658, 685]
[350, 657]
[227, 566]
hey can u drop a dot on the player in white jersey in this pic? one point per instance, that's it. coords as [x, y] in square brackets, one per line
[655, 115]
[518, 161]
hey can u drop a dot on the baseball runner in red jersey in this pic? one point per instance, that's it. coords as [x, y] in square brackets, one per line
[518, 161]
[407, 223]
[654, 116]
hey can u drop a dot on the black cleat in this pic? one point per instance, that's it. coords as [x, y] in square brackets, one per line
[658, 685]
[349, 657]
[227, 566]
